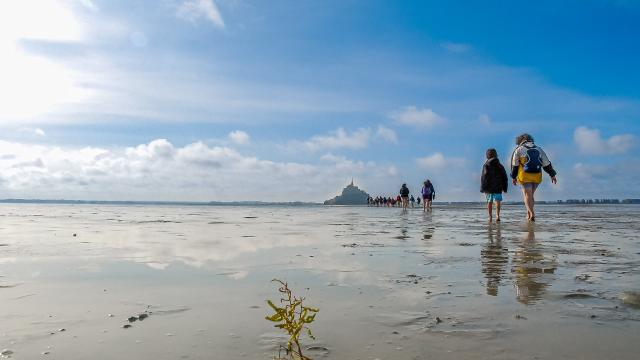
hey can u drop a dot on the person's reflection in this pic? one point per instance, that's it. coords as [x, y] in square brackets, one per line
[532, 269]
[404, 225]
[429, 226]
[494, 259]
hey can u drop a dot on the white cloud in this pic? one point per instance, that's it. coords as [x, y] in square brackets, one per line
[590, 141]
[157, 149]
[88, 4]
[387, 134]
[458, 48]
[32, 131]
[239, 137]
[193, 10]
[340, 138]
[413, 116]
[158, 170]
[484, 119]
[439, 161]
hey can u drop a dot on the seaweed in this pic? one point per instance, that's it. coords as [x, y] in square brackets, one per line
[294, 318]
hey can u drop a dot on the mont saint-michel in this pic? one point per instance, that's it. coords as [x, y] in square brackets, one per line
[351, 195]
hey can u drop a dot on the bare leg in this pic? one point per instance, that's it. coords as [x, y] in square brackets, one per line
[532, 203]
[498, 206]
[424, 205]
[490, 210]
[528, 202]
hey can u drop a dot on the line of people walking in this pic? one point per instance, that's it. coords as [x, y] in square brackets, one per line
[528, 161]
[404, 198]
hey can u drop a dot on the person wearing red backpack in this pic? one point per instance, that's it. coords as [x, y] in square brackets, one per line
[527, 163]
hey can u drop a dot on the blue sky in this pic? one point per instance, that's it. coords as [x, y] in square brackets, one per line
[287, 100]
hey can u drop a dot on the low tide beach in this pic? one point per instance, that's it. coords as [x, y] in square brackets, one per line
[389, 284]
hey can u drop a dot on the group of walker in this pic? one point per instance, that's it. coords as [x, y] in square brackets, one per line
[403, 199]
[527, 163]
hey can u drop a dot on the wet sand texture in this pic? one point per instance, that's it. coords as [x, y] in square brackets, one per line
[109, 282]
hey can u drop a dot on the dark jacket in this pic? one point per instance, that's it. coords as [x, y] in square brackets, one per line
[494, 177]
[404, 191]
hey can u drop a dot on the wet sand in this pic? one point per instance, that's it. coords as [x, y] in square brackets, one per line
[556, 289]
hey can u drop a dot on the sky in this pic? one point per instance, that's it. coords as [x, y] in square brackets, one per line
[203, 100]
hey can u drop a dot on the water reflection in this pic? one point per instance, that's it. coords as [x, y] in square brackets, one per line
[429, 227]
[494, 257]
[533, 269]
[404, 225]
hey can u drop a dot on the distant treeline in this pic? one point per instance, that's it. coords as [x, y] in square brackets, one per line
[157, 203]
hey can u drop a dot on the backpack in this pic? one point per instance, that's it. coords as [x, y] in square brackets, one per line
[533, 163]
[426, 190]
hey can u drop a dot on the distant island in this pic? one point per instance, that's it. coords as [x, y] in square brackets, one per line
[351, 195]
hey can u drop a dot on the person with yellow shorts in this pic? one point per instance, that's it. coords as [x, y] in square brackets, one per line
[527, 163]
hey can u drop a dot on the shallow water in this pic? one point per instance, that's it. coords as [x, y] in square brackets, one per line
[381, 278]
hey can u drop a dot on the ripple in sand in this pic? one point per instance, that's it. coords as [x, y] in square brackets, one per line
[160, 221]
[406, 319]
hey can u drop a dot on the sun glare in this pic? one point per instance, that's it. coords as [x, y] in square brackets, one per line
[32, 85]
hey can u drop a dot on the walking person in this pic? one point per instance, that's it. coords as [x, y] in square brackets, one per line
[493, 182]
[412, 200]
[404, 194]
[527, 162]
[428, 194]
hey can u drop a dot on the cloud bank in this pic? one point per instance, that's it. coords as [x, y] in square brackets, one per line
[159, 170]
[590, 142]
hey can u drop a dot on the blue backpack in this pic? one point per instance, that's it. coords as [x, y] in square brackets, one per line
[533, 163]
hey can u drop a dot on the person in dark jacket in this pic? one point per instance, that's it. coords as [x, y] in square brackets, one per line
[404, 194]
[493, 182]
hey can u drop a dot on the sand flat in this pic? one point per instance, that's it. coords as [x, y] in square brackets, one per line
[381, 278]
